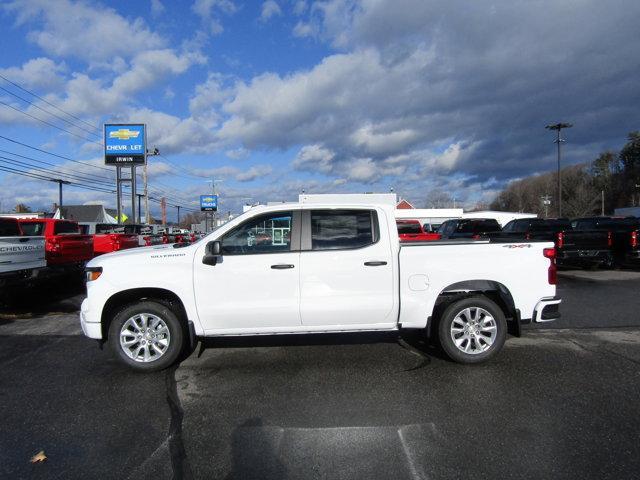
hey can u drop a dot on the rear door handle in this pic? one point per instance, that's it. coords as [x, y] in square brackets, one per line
[375, 264]
[282, 266]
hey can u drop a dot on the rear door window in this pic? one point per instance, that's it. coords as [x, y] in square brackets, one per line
[342, 229]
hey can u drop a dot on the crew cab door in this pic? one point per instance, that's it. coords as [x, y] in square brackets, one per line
[255, 283]
[346, 270]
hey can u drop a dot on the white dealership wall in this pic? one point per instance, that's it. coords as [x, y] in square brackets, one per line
[429, 215]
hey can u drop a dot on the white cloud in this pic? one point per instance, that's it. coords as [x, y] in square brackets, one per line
[299, 7]
[270, 8]
[157, 8]
[210, 12]
[302, 29]
[314, 157]
[253, 173]
[77, 29]
[38, 72]
[237, 153]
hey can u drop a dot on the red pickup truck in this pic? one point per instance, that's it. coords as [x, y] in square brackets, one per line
[64, 245]
[412, 231]
[109, 238]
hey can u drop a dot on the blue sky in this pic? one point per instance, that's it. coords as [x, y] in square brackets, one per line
[273, 97]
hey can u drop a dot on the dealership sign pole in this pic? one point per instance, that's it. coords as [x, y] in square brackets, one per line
[125, 146]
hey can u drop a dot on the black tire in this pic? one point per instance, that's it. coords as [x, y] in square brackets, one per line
[176, 335]
[456, 308]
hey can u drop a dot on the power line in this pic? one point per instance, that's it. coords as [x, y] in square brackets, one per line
[110, 180]
[49, 123]
[50, 113]
[48, 103]
[34, 167]
[55, 154]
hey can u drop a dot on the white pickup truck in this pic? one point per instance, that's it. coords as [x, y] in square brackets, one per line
[306, 268]
[21, 257]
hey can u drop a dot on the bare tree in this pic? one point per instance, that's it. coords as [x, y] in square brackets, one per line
[438, 199]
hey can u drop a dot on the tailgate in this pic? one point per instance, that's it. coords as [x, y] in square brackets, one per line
[21, 253]
[75, 246]
[587, 240]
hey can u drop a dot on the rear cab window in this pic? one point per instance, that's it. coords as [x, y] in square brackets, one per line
[33, 229]
[405, 228]
[65, 227]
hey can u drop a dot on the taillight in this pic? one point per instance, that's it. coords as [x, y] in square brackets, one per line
[165, 239]
[475, 237]
[634, 239]
[550, 253]
[147, 241]
[527, 236]
[52, 245]
[560, 241]
[609, 239]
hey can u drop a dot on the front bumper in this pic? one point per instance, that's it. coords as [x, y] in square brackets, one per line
[547, 310]
[90, 329]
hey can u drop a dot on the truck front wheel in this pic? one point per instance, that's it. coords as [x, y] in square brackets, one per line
[146, 336]
[472, 330]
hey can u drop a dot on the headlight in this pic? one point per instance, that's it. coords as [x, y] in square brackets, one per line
[93, 273]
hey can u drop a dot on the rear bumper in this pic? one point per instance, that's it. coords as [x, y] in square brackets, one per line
[90, 329]
[547, 310]
[583, 256]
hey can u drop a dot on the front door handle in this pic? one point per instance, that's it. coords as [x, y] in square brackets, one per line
[282, 266]
[375, 263]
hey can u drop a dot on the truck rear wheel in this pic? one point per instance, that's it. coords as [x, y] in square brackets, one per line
[146, 336]
[472, 330]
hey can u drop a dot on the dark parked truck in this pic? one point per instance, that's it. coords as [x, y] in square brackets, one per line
[21, 257]
[626, 234]
[65, 246]
[534, 229]
[473, 228]
[588, 244]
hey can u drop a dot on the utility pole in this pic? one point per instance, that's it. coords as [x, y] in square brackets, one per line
[178, 207]
[558, 128]
[60, 183]
[603, 203]
[140, 195]
[148, 154]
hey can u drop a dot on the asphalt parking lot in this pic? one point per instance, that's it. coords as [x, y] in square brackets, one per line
[559, 402]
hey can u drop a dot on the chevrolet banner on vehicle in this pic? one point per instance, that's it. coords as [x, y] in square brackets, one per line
[124, 144]
[208, 203]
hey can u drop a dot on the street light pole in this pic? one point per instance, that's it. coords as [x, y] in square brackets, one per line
[558, 128]
[178, 207]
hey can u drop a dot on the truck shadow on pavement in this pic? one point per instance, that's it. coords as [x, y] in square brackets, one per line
[414, 343]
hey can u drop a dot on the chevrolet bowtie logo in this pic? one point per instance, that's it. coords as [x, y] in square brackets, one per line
[124, 134]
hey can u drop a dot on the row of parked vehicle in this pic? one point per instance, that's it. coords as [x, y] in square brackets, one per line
[582, 242]
[27, 246]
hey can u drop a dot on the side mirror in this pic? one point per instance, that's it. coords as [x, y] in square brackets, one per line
[213, 253]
